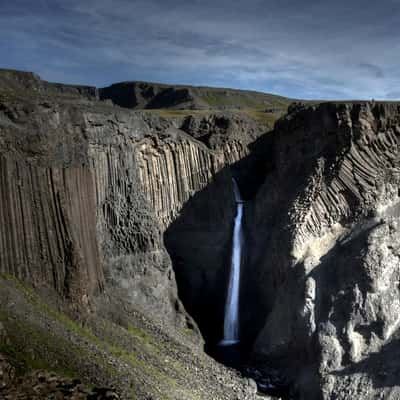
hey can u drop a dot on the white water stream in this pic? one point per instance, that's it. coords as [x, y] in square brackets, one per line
[231, 320]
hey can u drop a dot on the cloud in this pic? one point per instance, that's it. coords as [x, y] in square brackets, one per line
[374, 70]
[393, 95]
[311, 49]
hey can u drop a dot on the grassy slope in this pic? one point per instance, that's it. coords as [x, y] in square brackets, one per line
[264, 108]
[136, 360]
[230, 98]
[262, 118]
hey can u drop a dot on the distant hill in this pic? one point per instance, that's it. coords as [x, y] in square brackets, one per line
[146, 95]
[169, 101]
[13, 82]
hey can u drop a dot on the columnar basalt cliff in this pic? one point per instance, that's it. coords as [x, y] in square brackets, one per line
[189, 188]
[172, 170]
[68, 173]
[50, 236]
[324, 251]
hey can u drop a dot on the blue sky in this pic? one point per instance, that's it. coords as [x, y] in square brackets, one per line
[301, 49]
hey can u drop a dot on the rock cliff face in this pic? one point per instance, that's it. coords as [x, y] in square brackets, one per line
[71, 195]
[50, 236]
[323, 251]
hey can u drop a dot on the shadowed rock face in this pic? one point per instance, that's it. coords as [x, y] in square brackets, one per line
[323, 250]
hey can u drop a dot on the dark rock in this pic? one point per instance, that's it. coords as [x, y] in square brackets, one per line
[324, 275]
[7, 373]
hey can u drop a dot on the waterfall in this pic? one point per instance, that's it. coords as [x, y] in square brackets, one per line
[231, 321]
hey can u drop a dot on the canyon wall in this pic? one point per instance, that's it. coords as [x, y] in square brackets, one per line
[79, 221]
[323, 246]
[89, 191]
[49, 223]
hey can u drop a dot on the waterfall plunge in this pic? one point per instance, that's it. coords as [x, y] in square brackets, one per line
[231, 321]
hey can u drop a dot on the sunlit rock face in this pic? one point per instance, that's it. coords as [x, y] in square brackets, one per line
[325, 251]
[50, 237]
[77, 215]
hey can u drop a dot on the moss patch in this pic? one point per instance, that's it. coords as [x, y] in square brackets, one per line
[267, 119]
[98, 354]
[33, 348]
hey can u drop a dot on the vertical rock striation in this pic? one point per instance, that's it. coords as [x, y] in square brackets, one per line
[321, 252]
[171, 171]
[71, 194]
[49, 221]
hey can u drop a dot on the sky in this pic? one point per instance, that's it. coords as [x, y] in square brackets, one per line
[342, 49]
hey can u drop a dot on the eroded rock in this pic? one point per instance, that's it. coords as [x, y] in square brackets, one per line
[330, 260]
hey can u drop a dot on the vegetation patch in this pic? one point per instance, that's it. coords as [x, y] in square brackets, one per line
[43, 338]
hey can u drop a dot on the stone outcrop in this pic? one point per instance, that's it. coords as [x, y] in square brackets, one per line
[229, 132]
[323, 251]
[139, 95]
[12, 82]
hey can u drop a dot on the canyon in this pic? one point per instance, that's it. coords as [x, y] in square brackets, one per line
[117, 209]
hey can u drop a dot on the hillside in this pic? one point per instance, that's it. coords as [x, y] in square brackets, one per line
[148, 95]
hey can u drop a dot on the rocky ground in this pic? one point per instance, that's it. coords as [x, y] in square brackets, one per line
[134, 361]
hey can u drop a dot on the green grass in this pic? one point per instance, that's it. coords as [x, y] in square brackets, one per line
[139, 333]
[260, 116]
[267, 119]
[50, 350]
[238, 100]
[33, 298]
[32, 347]
[171, 113]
